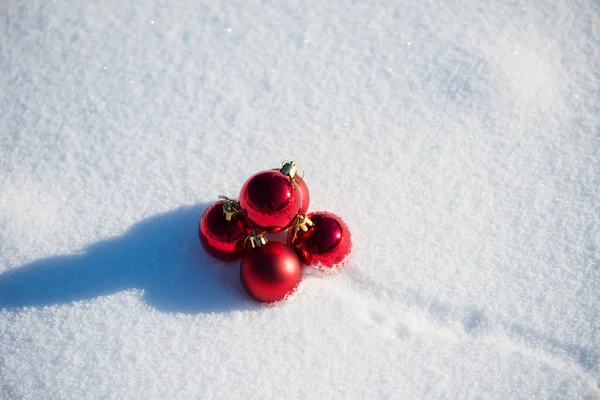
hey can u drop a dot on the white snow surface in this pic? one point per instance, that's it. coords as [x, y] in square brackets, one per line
[460, 141]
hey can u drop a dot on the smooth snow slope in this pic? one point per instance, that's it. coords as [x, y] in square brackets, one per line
[460, 140]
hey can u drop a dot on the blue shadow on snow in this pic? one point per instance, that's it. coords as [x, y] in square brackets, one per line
[160, 255]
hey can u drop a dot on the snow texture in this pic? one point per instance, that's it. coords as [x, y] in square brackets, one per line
[460, 141]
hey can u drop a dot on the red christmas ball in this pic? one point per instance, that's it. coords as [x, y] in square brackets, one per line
[221, 238]
[270, 200]
[327, 243]
[303, 193]
[271, 272]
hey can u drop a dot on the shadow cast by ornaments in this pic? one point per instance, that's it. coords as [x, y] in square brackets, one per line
[160, 255]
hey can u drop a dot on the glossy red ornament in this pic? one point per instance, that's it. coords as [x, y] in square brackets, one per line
[221, 238]
[303, 193]
[270, 200]
[327, 243]
[270, 272]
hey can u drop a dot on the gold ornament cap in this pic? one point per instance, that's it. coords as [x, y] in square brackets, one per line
[303, 222]
[230, 208]
[255, 239]
[289, 168]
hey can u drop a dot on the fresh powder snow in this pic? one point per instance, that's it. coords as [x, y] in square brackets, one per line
[459, 140]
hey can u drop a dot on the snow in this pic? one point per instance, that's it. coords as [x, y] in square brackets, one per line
[459, 140]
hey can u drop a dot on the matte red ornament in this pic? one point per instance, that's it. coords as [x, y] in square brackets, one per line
[327, 243]
[270, 272]
[270, 200]
[221, 238]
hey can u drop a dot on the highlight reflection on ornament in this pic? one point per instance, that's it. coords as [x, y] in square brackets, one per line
[304, 193]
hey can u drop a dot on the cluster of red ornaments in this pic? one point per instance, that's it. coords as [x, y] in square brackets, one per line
[272, 201]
